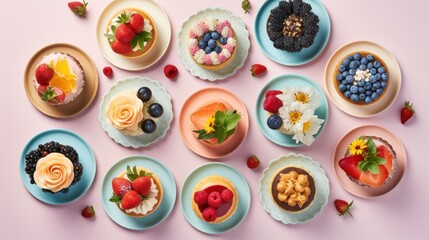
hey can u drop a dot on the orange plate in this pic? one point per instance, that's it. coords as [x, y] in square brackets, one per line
[82, 101]
[370, 130]
[197, 100]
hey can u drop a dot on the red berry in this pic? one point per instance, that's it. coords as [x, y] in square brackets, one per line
[272, 93]
[124, 34]
[200, 197]
[272, 104]
[136, 22]
[120, 186]
[44, 73]
[407, 112]
[78, 8]
[120, 47]
[131, 199]
[214, 199]
[52, 95]
[257, 69]
[227, 195]
[209, 214]
[88, 212]
[253, 162]
[343, 207]
[170, 71]
[142, 185]
[107, 71]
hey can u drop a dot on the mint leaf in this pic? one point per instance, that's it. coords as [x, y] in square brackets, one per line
[115, 199]
[372, 148]
[134, 43]
[141, 42]
[363, 165]
[379, 160]
[110, 36]
[373, 167]
[146, 36]
[231, 120]
[230, 132]
[113, 28]
[220, 134]
[219, 118]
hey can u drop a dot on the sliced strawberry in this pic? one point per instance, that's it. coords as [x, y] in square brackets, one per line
[350, 165]
[374, 180]
[52, 95]
[120, 186]
[136, 22]
[384, 152]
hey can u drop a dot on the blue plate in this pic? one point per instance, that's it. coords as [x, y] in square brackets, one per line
[279, 83]
[86, 158]
[283, 57]
[155, 218]
[240, 184]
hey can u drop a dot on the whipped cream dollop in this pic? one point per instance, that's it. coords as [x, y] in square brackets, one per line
[148, 202]
[54, 172]
[125, 111]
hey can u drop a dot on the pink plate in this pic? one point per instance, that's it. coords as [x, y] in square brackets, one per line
[199, 99]
[370, 130]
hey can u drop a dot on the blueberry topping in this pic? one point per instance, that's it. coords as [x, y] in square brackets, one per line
[144, 94]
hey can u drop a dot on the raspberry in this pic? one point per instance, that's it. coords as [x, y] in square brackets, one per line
[108, 72]
[214, 199]
[200, 197]
[209, 214]
[170, 71]
[272, 104]
[227, 195]
[272, 93]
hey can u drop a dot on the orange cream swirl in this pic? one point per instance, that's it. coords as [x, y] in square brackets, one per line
[54, 172]
[125, 111]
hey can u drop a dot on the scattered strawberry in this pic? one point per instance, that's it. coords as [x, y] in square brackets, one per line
[272, 104]
[343, 207]
[200, 197]
[121, 48]
[107, 71]
[214, 199]
[136, 22]
[245, 5]
[253, 162]
[88, 212]
[78, 8]
[170, 71]
[374, 180]
[142, 185]
[257, 69]
[227, 195]
[209, 214]
[350, 165]
[407, 112]
[124, 34]
[44, 73]
[272, 93]
[52, 95]
[120, 186]
[131, 199]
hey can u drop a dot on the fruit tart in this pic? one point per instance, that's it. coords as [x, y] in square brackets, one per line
[215, 123]
[131, 33]
[212, 43]
[369, 161]
[137, 191]
[361, 78]
[53, 167]
[59, 78]
[134, 112]
[214, 199]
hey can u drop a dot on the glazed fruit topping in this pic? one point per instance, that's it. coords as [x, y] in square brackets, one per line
[44, 74]
[144, 94]
[211, 200]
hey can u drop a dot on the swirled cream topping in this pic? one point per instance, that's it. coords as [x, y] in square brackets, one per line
[54, 172]
[125, 111]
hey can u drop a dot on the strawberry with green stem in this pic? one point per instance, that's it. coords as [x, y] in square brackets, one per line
[406, 112]
[78, 8]
[343, 207]
[52, 95]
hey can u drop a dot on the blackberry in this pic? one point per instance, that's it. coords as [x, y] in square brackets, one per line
[42, 150]
[292, 26]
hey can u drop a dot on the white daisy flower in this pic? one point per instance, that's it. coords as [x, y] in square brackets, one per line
[295, 115]
[304, 95]
[308, 130]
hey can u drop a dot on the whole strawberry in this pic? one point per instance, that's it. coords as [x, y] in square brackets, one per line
[121, 48]
[43, 74]
[78, 8]
[131, 199]
[52, 95]
[253, 162]
[142, 185]
[257, 69]
[136, 22]
[407, 112]
[88, 212]
[343, 207]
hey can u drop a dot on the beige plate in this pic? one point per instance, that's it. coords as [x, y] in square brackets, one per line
[394, 78]
[82, 101]
[370, 130]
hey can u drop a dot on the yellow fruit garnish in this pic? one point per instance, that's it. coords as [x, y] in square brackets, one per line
[63, 78]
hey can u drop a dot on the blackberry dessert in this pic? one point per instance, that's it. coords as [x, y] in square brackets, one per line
[53, 167]
[292, 26]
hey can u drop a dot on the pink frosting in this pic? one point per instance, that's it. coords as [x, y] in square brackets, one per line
[228, 47]
[193, 49]
[192, 34]
[221, 25]
[222, 58]
[208, 60]
[203, 26]
[230, 33]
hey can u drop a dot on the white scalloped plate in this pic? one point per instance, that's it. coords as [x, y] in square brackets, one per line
[242, 39]
[320, 179]
[163, 123]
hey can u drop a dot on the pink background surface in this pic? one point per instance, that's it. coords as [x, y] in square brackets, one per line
[400, 26]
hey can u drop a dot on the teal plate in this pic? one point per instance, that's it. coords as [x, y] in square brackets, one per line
[86, 158]
[281, 82]
[240, 184]
[283, 57]
[164, 209]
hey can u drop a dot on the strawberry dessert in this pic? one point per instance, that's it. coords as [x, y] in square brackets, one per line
[137, 191]
[212, 43]
[131, 33]
[215, 122]
[214, 199]
[369, 161]
[59, 78]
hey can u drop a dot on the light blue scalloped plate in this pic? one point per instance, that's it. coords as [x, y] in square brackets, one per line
[281, 82]
[320, 179]
[163, 123]
[283, 57]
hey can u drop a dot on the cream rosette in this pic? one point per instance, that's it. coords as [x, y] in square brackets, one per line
[54, 172]
[125, 111]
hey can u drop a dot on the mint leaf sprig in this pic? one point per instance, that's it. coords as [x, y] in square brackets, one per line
[225, 124]
[371, 161]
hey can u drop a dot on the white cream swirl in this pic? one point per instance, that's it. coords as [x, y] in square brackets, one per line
[54, 172]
